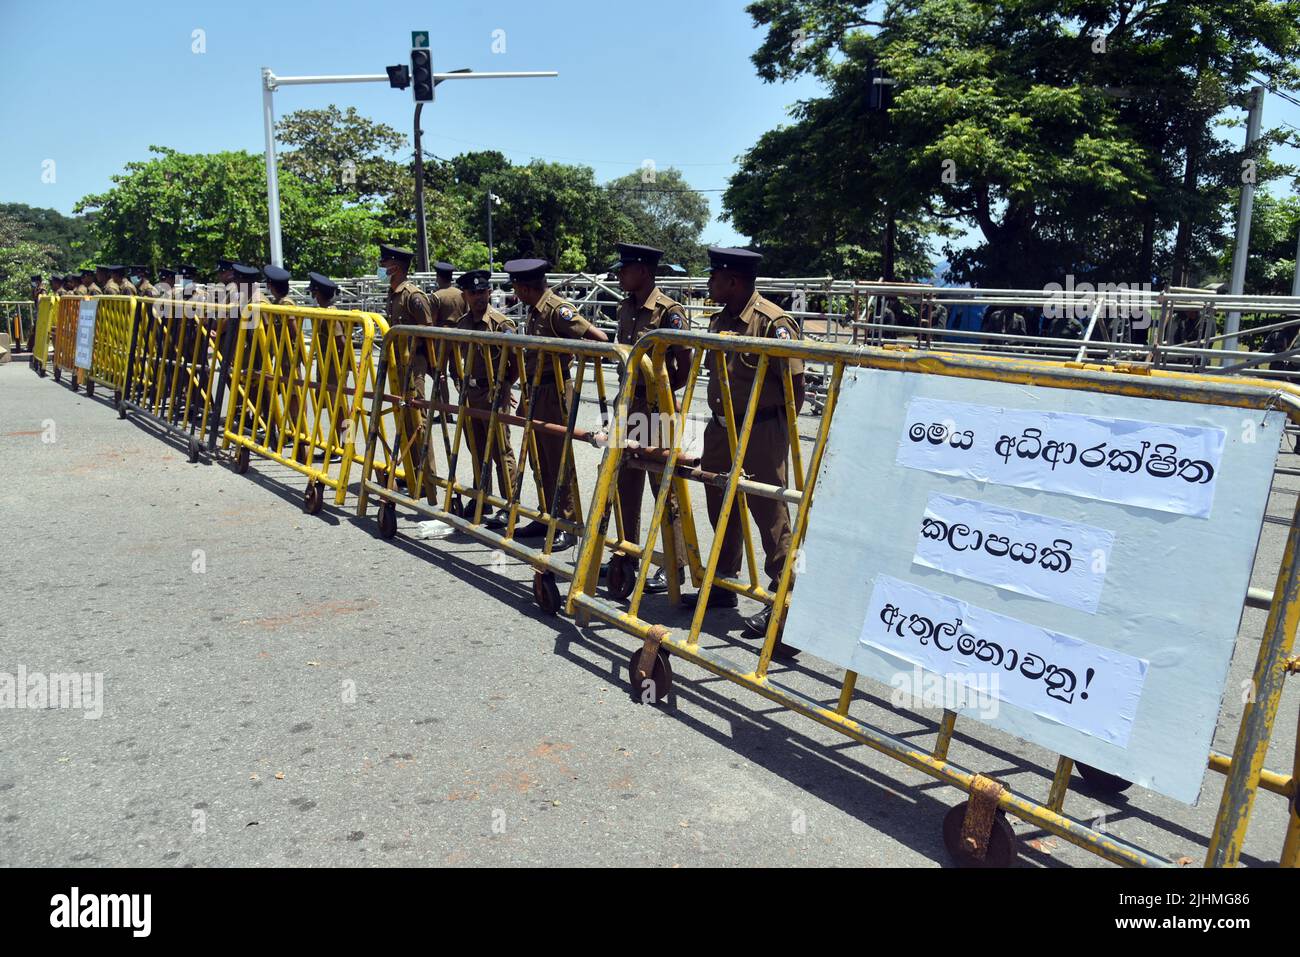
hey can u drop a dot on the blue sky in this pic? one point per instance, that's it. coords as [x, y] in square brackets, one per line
[669, 81]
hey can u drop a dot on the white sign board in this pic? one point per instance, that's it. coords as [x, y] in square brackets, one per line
[1078, 559]
[86, 333]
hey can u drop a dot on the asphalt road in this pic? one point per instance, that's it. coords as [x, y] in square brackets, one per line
[287, 689]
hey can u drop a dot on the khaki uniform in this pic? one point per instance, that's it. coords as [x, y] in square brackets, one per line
[657, 312]
[448, 306]
[93, 290]
[552, 317]
[476, 384]
[112, 288]
[769, 443]
[127, 288]
[409, 306]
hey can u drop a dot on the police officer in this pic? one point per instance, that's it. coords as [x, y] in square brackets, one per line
[245, 280]
[104, 278]
[322, 290]
[746, 313]
[140, 279]
[88, 285]
[226, 290]
[551, 316]
[124, 285]
[478, 381]
[277, 285]
[408, 305]
[448, 298]
[449, 305]
[647, 308]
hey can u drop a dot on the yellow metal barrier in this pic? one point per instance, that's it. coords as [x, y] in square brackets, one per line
[177, 371]
[299, 379]
[65, 339]
[484, 366]
[114, 319]
[46, 317]
[989, 800]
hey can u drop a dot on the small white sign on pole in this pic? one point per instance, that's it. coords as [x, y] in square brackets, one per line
[86, 333]
[1077, 559]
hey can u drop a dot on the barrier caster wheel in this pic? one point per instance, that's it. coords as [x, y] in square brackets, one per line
[90, 389]
[621, 577]
[387, 520]
[313, 498]
[546, 593]
[1001, 851]
[654, 687]
[58, 374]
[241, 460]
[194, 446]
[1102, 782]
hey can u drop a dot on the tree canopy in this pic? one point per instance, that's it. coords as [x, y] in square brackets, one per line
[1081, 136]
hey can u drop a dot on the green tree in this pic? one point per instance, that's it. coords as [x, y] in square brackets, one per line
[196, 208]
[70, 236]
[1075, 136]
[551, 210]
[666, 213]
[1270, 269]
[21, 257]
[342, 153]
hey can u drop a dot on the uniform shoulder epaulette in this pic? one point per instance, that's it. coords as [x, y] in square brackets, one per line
[769, 310]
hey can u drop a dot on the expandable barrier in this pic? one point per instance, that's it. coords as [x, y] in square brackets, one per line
[65, 339]
[177, 371]
[299, 380]
[976, 831]
[114, 322]
[483, 367]
[46, 317]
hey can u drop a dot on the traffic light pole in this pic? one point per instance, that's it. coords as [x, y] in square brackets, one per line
[271, 83]
[421, 231]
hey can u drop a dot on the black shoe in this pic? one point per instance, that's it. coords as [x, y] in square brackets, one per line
[657, 584]
[756, 625]
[563, 541]
[718, 598]
[756, 630]
[531, 530]
[498, 521]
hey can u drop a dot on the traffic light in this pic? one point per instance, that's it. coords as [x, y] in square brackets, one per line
[421, 75]
[399, 76]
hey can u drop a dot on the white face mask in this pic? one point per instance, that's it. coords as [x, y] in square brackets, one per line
[382, 273]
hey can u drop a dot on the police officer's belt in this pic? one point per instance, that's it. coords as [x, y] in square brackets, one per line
[763, 415]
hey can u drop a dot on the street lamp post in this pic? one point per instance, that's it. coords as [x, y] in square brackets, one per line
[271, 83]
[492, 200]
